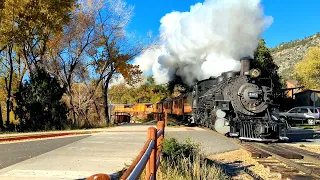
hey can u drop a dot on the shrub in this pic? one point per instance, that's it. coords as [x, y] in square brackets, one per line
[184, 169]
[38, 103]
[184, 161]
[175, 151]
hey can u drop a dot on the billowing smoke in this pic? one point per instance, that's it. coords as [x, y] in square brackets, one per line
[206, 41]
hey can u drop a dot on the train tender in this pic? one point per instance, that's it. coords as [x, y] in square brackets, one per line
[238, 104]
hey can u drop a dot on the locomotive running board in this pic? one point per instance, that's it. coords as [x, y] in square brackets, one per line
[258, 139]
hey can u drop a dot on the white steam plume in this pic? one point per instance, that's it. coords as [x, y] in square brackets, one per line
[206, 41]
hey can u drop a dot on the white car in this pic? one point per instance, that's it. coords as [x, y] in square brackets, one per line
[303, 113]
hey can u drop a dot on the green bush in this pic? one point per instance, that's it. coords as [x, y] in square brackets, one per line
[175, 151]
[183, 161]
[38, 103]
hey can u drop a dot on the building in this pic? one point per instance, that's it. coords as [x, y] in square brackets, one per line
[292, 87]
[303, 98]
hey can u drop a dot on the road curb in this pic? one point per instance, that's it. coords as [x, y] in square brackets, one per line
[42, 136]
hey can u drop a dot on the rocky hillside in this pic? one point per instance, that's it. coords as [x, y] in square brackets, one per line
[286, 55]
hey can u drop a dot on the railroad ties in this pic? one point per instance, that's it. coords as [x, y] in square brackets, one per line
[285, 161]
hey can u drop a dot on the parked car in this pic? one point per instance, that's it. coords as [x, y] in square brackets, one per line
[303, 113]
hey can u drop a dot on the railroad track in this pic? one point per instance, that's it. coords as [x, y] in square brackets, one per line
[287, 161]
[290, 162]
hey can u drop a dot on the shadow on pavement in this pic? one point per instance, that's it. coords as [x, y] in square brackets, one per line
[234, 169]
[303, 135]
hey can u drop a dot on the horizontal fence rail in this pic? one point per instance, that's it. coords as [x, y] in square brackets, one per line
[148, 159]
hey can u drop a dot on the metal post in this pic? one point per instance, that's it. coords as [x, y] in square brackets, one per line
[148, 163]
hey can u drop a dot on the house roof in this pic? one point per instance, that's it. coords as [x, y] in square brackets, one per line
[313, 90]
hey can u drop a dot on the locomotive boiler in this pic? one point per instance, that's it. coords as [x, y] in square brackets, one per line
[238, 104]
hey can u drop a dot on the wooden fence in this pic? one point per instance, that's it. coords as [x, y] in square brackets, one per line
[148, 158]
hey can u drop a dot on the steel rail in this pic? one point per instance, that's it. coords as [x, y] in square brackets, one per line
[268, 149]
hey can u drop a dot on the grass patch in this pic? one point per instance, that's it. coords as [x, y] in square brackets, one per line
[183, 161]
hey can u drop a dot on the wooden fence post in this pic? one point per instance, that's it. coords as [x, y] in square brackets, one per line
[160, 126]
[152, 162]
[166, 118]
[99, 177]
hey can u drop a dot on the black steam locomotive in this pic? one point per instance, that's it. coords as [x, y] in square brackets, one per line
[238, 104]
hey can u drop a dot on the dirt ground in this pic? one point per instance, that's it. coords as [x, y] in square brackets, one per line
[244, 158]
[312, 148]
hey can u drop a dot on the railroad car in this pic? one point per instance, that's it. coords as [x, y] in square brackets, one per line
[178, 108]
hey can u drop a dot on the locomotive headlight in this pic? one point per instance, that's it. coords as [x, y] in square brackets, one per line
[254, 73]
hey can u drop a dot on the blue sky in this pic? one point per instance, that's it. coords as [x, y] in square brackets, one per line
[292, 19]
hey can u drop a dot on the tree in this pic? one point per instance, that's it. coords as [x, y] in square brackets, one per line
[67, 56]
[38, 103]
[26, 26]
[115, 49]
[122, 94]
[147, 92]
[177, 86]
[307, 71]
[263, 60]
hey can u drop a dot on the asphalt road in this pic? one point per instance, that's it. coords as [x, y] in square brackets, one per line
[13, 153]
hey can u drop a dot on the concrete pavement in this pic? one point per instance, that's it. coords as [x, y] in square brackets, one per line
[105, 152]
[210, 143]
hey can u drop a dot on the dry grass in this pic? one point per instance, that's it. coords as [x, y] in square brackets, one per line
[183, 161]
[186, 169]
[245, 159]
[312, 148]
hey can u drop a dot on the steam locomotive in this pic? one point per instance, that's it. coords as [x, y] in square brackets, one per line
[238, 104]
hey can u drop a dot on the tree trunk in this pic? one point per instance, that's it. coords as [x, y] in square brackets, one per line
[105, 96]
[1, 120]
[9, 87]
[97, 110]
[75, 121]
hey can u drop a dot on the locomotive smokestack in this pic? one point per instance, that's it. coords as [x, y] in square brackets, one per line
[245, 65]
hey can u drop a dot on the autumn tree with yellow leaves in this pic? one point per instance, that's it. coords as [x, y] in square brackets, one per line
[68, 52]
[307, 71]
[115, 50]
[26, 27]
